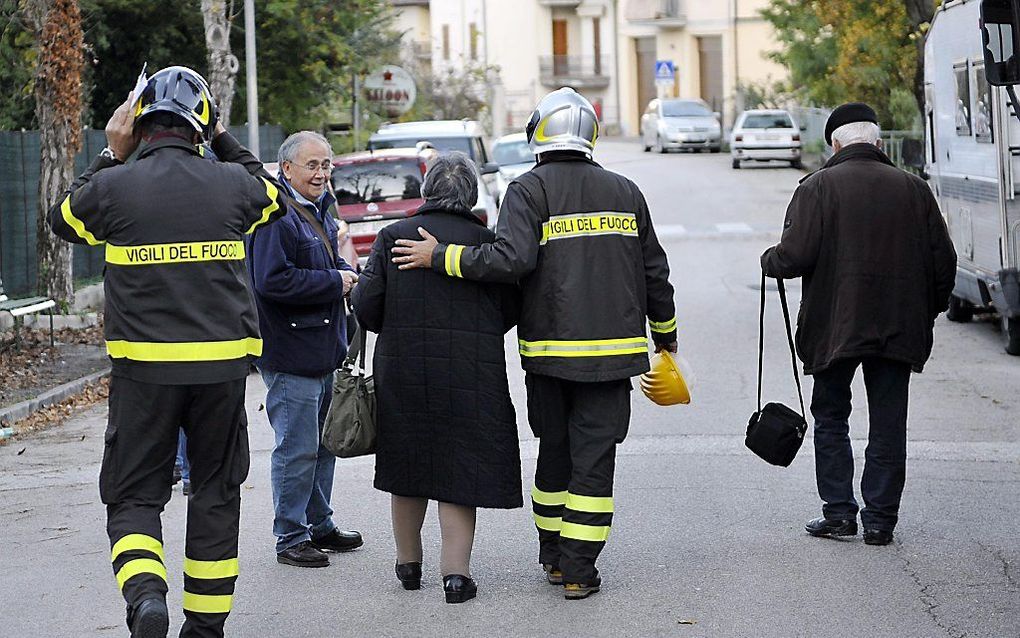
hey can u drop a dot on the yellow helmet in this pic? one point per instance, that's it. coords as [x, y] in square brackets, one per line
[665, 384]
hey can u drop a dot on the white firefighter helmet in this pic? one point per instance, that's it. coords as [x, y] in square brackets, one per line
[563, 121]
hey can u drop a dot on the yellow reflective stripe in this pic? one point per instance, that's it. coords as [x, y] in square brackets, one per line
[210, 569]
[272, 192]
[452, 260]
[593, 533]
[138, 566]
[584, 348]
[207, 604]
[588, 225]
[663, 326]
[197, 351]
[144, 255]
[548, 523]
[137, 541]
[76, 224]
[551, 499]
[590, 504]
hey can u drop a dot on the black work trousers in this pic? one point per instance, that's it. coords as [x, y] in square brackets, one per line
[885, 458]
[578, 426]
[135, 484]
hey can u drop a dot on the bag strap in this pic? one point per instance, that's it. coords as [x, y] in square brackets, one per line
[789, 338]
[315, 224]
[355, 359]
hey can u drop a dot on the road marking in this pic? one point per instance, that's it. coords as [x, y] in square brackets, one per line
[739, 227]
[666, 231]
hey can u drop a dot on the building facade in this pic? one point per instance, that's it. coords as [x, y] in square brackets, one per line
[605, 49]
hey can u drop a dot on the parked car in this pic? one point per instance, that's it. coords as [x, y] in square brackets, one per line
[345, 242]
[448, 135]
[683, 124]
[514, 156]
[765, 135]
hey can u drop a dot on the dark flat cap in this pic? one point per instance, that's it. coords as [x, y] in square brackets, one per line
[848, 114]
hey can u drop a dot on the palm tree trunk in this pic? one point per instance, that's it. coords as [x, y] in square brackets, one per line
[58, 106]
[216, 14]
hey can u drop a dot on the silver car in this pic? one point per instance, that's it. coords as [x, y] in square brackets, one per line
[681, 124]
[515, 157]
[764, 135]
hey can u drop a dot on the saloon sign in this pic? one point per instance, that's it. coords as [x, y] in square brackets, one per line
[390, 91]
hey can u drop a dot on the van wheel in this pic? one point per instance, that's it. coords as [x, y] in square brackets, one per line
[1011, 334]
[959, 310]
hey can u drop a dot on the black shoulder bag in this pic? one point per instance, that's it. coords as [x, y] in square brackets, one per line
[776, 432]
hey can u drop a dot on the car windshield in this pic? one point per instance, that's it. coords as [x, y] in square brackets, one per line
[776, 120]
[506, 153]
[462, 144]
[685, 109]
[377, 182]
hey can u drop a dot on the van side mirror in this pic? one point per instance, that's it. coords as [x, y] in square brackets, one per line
[1000, 34]
[490, 168]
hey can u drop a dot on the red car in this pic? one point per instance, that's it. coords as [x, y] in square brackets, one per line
[375, 189]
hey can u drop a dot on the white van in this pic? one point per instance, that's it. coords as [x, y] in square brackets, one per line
[971, 157]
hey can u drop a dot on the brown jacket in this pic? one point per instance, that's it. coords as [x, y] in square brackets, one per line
[876, 258]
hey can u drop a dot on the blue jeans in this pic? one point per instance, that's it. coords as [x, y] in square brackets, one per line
[302, 469]
[182, 457]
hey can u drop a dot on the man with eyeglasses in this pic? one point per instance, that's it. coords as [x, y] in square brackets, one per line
[300, 282]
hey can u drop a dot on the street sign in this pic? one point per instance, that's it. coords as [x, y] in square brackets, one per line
[390, 91]
[664, 71]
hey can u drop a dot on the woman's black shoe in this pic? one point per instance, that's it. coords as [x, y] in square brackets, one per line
[409, 575]
[459, 588]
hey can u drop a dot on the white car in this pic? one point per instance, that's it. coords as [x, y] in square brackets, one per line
[515, 157]
[682, 124]
[764, 135]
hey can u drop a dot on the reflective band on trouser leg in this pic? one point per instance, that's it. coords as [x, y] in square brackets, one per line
[177, 352]
[137, 567]
[591, 504]
[132, 542]
[663, 327]
[591, 533]
[211, 569]
[547, 509]
[272, 193]
[584, 348]
[185, 252]
[208, 604]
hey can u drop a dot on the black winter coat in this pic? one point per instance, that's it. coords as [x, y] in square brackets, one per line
[447, 427]
[876, 258]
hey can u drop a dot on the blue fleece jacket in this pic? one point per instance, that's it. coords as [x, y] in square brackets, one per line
[299, 292]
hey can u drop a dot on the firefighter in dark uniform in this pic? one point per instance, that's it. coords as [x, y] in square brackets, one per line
[180, 329]
[580, 242]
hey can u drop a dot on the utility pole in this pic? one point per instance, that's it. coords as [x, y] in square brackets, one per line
[252, 75]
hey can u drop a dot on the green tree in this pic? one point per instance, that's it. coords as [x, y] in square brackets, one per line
[852, 50]
[17, 63]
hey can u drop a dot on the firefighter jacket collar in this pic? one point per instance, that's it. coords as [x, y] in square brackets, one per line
[167, 142]
[565, 156]
[432, 207]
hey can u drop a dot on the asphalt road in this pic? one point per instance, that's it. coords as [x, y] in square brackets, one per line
[707, 539]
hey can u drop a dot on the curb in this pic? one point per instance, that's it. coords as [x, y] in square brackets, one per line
[19, 411]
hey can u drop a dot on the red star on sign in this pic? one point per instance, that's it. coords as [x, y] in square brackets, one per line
[387, 76]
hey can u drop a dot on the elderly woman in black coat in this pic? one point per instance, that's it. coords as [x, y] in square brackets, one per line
[447, 428]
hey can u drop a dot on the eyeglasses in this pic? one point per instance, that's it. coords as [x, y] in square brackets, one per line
[326, 166]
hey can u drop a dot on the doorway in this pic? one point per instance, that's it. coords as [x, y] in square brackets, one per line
[710, 67]
[645, 49]
[560, 47]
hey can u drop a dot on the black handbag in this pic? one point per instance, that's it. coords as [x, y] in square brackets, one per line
[350, 428]
[775, 432]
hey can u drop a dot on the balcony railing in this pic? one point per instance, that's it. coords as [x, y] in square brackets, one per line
[660, 12]
[586, 71]
[559, 3]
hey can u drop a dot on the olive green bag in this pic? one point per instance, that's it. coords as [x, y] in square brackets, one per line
[350, 428]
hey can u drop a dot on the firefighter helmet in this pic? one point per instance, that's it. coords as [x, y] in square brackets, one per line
[665, 384]
[182, 92]
[563, 121]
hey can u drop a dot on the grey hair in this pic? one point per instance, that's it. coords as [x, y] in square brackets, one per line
[451, 182]
[857, 133]
[289, 148]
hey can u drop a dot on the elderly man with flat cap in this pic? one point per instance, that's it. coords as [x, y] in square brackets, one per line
[878, 267]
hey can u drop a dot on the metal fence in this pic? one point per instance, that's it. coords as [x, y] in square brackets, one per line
[904, 148]
[19, 199]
